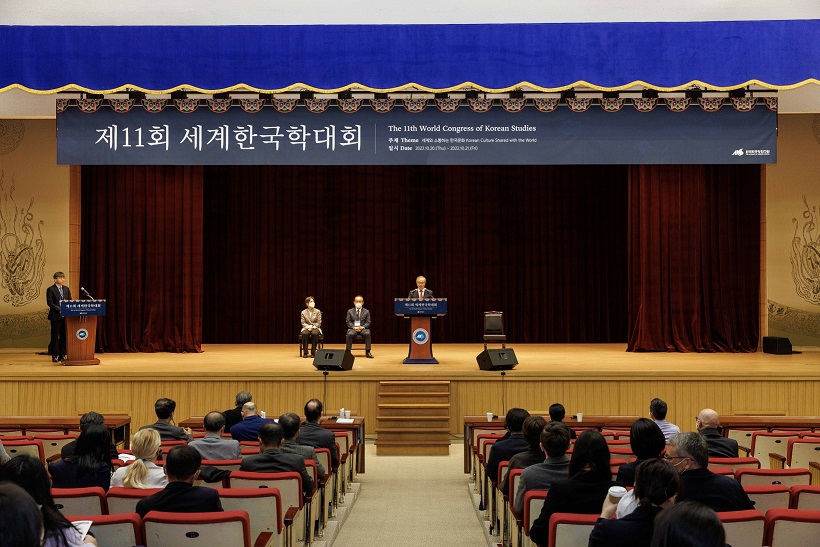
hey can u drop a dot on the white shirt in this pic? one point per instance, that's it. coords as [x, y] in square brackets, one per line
[156, 476]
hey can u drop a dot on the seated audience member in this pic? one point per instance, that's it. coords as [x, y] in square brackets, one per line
[165, 424]
[557, 414]
[30, 474]
[687, 452]
[589, 481]
[22, 522]
[180, 495]
[91, 464]
[533, 426]
[212, 446]
[688, 524]
[4, 456]
[510, 444]
[234, 415]
[313, 434]
[657, 411]
[708, 424]
[87, 419]
[271, 459]
[656, 486]
[290, 423]
[541, 476]
[647, 441]
[248, 428]
[144, 471]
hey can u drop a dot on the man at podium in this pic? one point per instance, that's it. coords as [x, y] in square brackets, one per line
[54, 294]
[420, 292]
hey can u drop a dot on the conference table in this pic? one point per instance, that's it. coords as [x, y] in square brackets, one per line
[118, 425]
[328, 422]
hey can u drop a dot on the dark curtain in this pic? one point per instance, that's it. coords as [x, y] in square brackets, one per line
[142, 251]
[694, 258]
[544, 244]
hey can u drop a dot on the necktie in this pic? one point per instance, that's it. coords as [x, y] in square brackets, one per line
[358, 314]
[59, 288]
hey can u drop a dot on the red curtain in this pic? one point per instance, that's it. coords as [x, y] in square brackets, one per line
[694, 258]
[544, 244]
[142, 251]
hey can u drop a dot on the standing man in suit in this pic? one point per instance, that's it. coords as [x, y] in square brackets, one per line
[358, 324]
[54, 294]
[271, 459]
[420, 292]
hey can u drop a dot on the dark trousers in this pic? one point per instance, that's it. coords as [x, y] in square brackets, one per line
[57, 345]
[352, 334]
[313, 338]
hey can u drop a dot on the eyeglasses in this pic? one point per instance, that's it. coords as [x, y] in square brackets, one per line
[668, 457]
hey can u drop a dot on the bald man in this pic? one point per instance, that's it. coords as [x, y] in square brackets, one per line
[708, 424]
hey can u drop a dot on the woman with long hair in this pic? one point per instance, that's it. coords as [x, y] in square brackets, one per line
[688, 524]
[22, 522]
[144, 472]
[91, 464]
[589, 480]
[30, 474]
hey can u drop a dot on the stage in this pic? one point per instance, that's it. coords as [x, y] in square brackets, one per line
[590, 378]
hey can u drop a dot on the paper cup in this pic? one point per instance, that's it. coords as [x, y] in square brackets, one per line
[489, 416]
[616, 493]
[347, 414]
[580, 417]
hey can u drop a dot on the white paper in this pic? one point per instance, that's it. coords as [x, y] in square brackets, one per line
[82, 526]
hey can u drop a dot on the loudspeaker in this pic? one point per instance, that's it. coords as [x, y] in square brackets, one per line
[333, 359]
[497, 359]
[777, 345]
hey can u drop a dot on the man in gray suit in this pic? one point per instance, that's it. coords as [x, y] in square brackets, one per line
[290, 423]
[358, 324]
[420, 292]
[212, 446]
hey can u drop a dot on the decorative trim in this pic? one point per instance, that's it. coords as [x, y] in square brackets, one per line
[415, 105]
[579, 104]
[711, 104]
[252, 106]
[186, 106]
[645, 105]
[678, 105]
[513, 105]
[317, 106]
[283, 106]
[89, 105]
[382, 106]
[612, 105]
[448, 105]
[219, 106]
[154, 106]
[349, 106]
[546, 105]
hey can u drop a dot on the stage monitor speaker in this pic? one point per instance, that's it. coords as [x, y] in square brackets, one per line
[333, 359]
[497, 359]
[777, 345]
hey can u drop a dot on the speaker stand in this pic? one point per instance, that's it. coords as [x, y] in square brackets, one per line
[503, 395]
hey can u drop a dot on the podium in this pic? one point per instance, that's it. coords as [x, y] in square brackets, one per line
[81, 330]
[420, 312]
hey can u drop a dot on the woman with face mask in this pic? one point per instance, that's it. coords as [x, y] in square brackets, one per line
[311, 319]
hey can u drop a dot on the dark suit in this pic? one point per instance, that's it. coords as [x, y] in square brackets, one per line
[232, 417]
[415, 294]
[364, 321]
[57, 345]
[717, 492]
[719, 446]
[168, 432]
[70, 451]
[312, 434]
[634, 530]
[503, 450]
[248, 429]
[274, 460]
[65, 474]
[181, 497]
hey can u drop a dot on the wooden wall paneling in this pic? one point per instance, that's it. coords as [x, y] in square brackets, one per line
[636, 395]
[46, 398]
[104, 397]
[803, 398]
[770, 396]
[9, 398]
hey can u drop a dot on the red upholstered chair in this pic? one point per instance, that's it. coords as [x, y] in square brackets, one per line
[123, 529]
[533, 503]
[805, 497]
[763, 443]
[743, 435]
[331, 478]
[199, 529]
[264, 507]
[31, 447]
[792, 527]
[769, 496]
[723, 471]
[512, 486]
[743, 527]
[53, 444]
[569, 529]
[80, 501]
[786, 477]
[121, 500]
[497, 507]
[227, 465]
[734, 463]
[802, 451]
[289, 486]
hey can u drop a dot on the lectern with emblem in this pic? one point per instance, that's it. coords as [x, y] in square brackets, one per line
[81, 330]
[421, 312]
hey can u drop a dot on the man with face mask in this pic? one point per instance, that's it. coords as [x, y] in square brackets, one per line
[358, 324]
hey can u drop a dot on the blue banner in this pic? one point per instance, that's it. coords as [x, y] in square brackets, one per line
[429, 137]
[73, 308]
[415, 306]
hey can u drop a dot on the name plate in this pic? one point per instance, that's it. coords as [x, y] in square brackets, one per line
[74, 308]
[415, 306]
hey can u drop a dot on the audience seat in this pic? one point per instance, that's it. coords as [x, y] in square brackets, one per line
[769, 496]
[199, 529]
[743, 528]
[497, 500]
[743, 435]
[115, 530]
[533, 503]
[792, 528]
[80, 501]
[570, 530]
[512, 486]
[786, 477]
[264, 508]
[763, 443]
[481, 455]
[289, 485]
[351, 450]
[4, 433]
[474, 433]
[723, 471]
[53, 444]
[332, 476]
[802, 451]
[124, 500]
[33, 448]
[734, 463]
[805, 497]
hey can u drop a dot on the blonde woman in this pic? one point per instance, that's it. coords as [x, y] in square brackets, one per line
[144, 472]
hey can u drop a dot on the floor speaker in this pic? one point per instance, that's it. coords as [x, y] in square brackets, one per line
[333, 359]
[777, 345]
[497, 359]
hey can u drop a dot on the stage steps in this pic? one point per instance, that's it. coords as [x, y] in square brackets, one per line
[413, 418]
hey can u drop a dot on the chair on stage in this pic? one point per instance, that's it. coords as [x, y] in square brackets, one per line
[743, 527]
[121, 529]
[194, 529]
[80, 501]
[320, 342]
[494, 328]
[792, 527]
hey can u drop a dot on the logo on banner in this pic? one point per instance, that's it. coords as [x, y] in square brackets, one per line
[420, 336]
[738, 152]
[82, 334]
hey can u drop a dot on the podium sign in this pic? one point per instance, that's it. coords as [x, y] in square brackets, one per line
[81, 330]
[420, 312]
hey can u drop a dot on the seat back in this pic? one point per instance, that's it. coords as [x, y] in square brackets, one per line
[570, 530]
[11, 433]
[343, 442]
[786, 477]
[80, 501]
[769, 496]
[802, 451]
[743, 527]
[124, 529]
[120, 500]
[263, 505]
[533, 503]
[493, 323]
[723, 471]
[488, 430]
[792, 527]
[323, 457]
[734, 463]
[53, 444]
[743, 435]
[33, 448]
[229, 465]
[196, 529]
[289, 485]
[764, 442]
[805, 497]
[512, 486]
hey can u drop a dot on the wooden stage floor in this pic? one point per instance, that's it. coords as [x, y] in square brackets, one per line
[565, 362]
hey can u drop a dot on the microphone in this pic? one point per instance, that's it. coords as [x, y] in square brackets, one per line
[85, 292]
